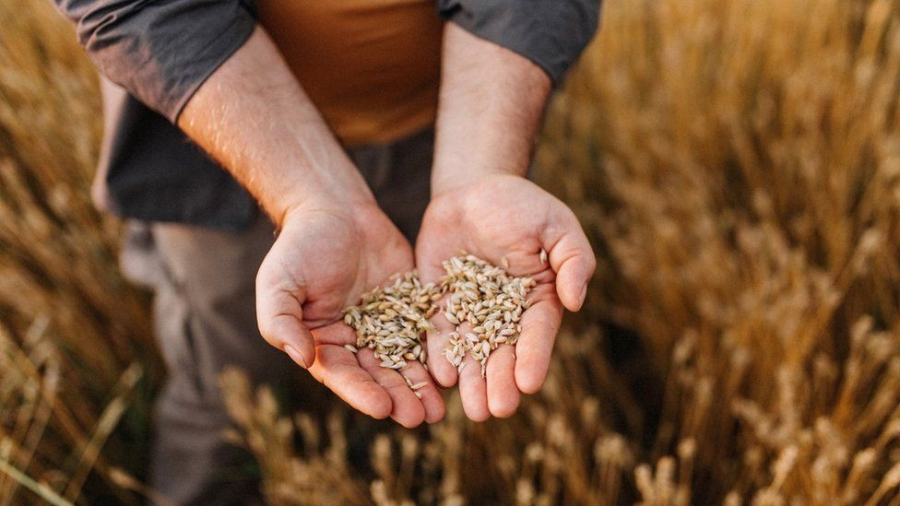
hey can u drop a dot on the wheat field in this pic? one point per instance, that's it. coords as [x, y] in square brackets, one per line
[736, 164]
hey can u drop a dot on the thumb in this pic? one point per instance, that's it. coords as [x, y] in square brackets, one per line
[279, 314]
[573, 260]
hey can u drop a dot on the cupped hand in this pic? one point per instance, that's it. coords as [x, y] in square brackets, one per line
[506, 220]
[325, 257]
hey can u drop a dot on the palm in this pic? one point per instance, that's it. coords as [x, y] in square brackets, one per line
[507, 221]
[322, 262]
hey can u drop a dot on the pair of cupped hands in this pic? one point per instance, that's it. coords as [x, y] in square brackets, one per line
[330, 251]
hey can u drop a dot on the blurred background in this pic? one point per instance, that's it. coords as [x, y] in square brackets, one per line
[737, 166]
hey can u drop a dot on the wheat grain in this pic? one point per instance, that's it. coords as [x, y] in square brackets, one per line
[392, 321]
[489, 300]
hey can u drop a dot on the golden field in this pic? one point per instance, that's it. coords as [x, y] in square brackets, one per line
[736, 164]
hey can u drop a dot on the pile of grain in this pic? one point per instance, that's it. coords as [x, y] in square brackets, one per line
[485, 305]
[391, 321]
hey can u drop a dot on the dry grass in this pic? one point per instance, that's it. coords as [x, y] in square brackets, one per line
[736, 163]
[739, 167]
[559, 448]
[75, 351]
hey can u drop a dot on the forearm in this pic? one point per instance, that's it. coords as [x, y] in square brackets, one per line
[491, 103]
[253, 117]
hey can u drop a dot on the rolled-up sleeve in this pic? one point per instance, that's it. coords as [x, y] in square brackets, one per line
[161, 51]
[551, 33]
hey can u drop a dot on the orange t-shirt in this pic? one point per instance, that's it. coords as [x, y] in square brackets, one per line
[371, 66]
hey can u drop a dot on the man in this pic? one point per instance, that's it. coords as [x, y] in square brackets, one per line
[324, 112]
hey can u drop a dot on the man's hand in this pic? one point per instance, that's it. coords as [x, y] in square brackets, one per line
[491, 103]
[507, 220]
[322, 261]
[335, 244]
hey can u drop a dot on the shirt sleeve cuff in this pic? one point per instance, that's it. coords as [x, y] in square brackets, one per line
[162, 52]
[550, 33]
[218, 53]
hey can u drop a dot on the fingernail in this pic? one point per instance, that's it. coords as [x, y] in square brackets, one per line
[295, 355]
[583, 295]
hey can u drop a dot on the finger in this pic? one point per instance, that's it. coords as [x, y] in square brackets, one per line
[502, 390]
[339, 370]
[280, 316]
[431, 396]
[439, 360]
[443, 372]
[540, 324]
[407, 410]
[473, 391]
[573, 261]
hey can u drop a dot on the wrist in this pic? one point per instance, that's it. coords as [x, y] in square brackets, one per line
[342, 192]
[450, 179]
[353, 208]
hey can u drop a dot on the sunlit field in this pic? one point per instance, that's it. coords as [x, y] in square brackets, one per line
[736, 164]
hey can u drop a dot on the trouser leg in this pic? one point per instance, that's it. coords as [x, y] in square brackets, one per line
[203, 283]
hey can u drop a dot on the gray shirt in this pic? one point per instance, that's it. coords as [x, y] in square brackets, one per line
[159, 52]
